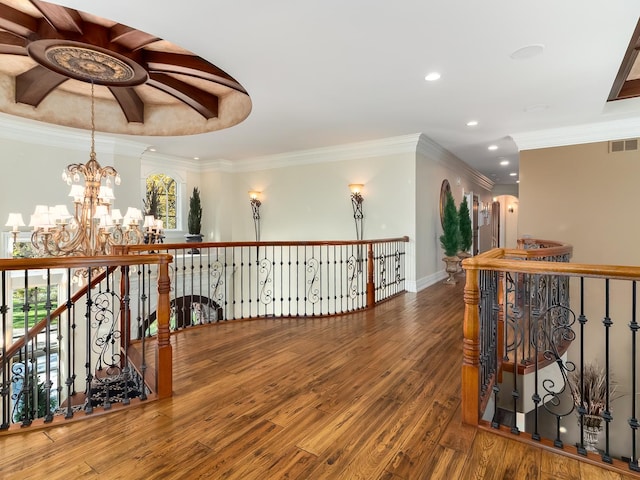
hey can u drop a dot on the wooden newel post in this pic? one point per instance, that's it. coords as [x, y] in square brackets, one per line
[164, 353]
[371, 288]
[471, 349]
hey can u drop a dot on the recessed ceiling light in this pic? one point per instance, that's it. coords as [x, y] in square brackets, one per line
[528, 51]
[196, 158]
[432, 77]
[152, 149]
[517, 181]
[504, 162]
[472, 123]
[513, 174]
[493, 147]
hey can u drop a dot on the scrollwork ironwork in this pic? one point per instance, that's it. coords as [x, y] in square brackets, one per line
[352, 275]
[312, 267]
[265, 268]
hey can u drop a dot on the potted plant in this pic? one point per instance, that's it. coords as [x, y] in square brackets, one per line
[152, 200]
[194, 220]
[589, 391]
[450, 238]
[465, 230]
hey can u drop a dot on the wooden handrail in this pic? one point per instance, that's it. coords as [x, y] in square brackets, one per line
[171, 246]
[44, 263]
[497, 262]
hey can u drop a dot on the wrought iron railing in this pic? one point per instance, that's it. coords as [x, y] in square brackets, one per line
[516, 323]
[81, 348]
[212, 282]
[67, 348]
[570, 342]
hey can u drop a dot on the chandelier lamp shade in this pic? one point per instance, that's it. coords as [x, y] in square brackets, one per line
[94, 227]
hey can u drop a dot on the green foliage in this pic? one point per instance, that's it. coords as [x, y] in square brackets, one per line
[37, 300]
[450, 239]
[465, 226]
[160, 199]
[195, 213]
[21, 412]
[152, 199]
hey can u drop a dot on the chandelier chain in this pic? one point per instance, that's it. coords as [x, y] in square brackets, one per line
[93, 123]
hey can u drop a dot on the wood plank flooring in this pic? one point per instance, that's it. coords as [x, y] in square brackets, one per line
[373, 395]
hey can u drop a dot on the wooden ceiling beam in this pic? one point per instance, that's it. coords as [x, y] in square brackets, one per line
[16, 22]
[191, 65]
[12, 44]
[34, 85]
[630, 89]
[131, 38]
[60, 18]
[206, 104]
[630, 56]
[130, 102]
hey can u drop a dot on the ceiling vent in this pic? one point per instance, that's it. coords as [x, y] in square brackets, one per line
[623, 145]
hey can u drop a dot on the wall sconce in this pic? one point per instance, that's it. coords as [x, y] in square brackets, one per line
[510, 209]
[356, 203]
[486, 211]
[255, 211]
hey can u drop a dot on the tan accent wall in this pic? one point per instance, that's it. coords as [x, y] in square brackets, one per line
[585, 196]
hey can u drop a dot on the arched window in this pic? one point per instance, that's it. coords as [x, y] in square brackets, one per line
[160, 200]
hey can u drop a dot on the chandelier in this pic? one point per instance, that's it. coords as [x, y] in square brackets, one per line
[94, 227]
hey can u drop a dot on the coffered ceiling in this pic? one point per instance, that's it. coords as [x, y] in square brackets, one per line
[289, 75]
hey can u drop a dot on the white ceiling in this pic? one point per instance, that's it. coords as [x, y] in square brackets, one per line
[332, 72]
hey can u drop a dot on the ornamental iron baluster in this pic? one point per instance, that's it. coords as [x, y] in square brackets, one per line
[312, 267]
[265, 272]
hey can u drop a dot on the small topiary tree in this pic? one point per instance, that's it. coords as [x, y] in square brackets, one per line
[195, 213]
[152, 200]
[465, 226]
[450, 239]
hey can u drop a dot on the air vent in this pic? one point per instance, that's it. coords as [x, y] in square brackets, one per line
[623, 145]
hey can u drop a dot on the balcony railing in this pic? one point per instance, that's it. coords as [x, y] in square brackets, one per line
[66, 349]
[537, 335]
[213, 282]
[69, 349]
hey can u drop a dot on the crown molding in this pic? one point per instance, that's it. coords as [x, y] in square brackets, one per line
[160, 160]
[22, 130]
[437, 152]
[337, 153]
[578, 134]
[225, 166]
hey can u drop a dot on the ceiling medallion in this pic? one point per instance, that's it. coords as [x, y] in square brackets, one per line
[89, 63]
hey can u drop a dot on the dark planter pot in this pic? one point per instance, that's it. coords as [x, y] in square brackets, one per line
[193, 238]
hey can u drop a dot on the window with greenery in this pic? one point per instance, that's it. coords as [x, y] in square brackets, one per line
[36, 298]
[161, 199]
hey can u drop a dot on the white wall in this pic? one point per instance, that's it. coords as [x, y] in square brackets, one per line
[313, 202]
[305, 195]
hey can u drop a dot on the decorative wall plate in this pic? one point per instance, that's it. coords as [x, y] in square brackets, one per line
[444, 188]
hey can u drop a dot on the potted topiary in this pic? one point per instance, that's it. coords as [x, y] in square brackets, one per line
[194, 220]
[465, 230]
[450, 238]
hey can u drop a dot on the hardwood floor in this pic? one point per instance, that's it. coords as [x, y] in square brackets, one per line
[373, 395]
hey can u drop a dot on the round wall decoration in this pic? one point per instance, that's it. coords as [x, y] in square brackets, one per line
[444, 189]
